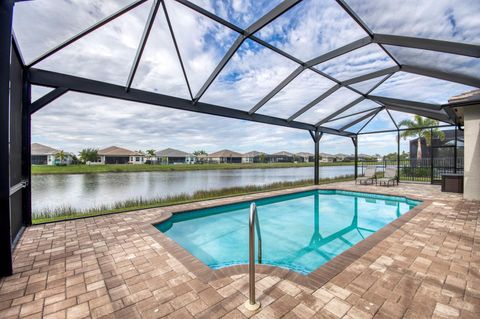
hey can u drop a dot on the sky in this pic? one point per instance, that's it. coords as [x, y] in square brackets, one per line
[309, 29]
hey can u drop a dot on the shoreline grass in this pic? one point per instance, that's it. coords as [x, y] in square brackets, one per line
[123, 168]
[67, 212]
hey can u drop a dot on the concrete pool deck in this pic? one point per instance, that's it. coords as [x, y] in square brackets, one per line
[119, 266]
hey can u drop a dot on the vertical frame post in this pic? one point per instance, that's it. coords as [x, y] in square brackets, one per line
[27, 151]
[398, 156]
[355, 143]
[316, 136]
[455, 152]
[6, 14]
[431, 156]
[316, 179]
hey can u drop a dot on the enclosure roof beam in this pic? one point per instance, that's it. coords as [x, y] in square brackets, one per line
[340, 111]
[210, 15]
[374, 115]
[86, 31]
[47, 98]
[314, 102]
[143, 42]
[391, 117]
[280, 9]
[404, 129]
[309, 65]
[170, 27]
[366, 116]
[439, 116]
[447, 76]
[428, 44]
[88, 86]
[238, 42]
[355, 17]
[243, 32]
[254, 27]
[372, 75]
[364, 26]
[277, 89]
[339, 51]
[16, 47]
[406, 103]
[353, 114]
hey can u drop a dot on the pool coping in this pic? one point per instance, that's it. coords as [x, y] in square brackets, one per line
[314, 279]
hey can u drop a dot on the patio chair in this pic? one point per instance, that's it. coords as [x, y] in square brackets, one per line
[368, 177]
[389, 176]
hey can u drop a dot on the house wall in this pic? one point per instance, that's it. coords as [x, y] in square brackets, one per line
[230, 159]
[471, 181]
[281, 159]
[116, 159]
[39, 159]
[247, 160]
[136, 160]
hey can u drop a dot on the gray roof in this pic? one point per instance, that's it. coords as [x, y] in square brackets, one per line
[40, 149]
[283, 153]
[253, 154]
[304, 154]
[225, 153]
[469, 96]
[117, 151]
[171, 152]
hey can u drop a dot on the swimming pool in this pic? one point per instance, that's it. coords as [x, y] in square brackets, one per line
[300, 231]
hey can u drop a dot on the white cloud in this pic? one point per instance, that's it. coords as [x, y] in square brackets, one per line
[435, 19]
[306, 31]
[419, 88]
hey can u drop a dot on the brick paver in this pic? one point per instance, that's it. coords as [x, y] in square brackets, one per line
[120, 266]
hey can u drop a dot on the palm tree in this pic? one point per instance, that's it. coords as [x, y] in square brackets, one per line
[88, 155]
[60, 156]
[150, 155]
[416, 129]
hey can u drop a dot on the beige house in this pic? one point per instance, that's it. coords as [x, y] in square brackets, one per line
[173, 156]
[119, 155]
[327, 158]
[46, 155]
[225, 156]
[282, 157]
[253, 157]
[305, 157]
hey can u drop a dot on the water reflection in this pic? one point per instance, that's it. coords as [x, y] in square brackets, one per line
[83, 191]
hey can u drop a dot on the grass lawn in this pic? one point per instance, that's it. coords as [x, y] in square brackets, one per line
[117, 168]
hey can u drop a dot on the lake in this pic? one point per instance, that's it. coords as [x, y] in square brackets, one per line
[83, 191]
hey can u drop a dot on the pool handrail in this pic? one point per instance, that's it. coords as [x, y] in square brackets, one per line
[251, 304]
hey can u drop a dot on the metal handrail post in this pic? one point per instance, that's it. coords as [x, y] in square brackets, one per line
[251, 304]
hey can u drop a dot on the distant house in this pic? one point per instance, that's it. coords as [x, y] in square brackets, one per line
[253, 157]
[119, 155]
[173, 156]
[282, 157]
[327, 158]
[46, 155]
[225, 156]
[305, 157]
[340, 157]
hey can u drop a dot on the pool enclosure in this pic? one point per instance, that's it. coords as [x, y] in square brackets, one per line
[345, 67]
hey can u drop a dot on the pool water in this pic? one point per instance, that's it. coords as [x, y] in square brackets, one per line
[299, 231]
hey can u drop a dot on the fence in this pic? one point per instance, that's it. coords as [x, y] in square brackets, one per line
[424, 170]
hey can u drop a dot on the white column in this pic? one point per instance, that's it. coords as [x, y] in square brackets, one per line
[471, 182]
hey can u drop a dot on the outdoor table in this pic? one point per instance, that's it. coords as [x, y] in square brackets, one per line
[452, 183]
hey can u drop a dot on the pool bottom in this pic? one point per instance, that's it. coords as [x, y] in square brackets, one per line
[300, 248]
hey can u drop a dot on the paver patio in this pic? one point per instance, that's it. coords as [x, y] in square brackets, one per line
[119, 266]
